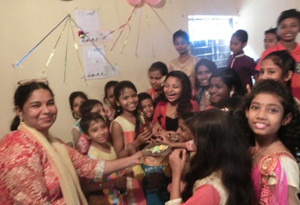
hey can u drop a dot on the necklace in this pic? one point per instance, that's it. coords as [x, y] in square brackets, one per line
[255, 152]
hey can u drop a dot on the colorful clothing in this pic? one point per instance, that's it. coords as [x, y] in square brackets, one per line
[160, 112]
[26, 174]
[295, 53]
[154, 94]
[113, 195]
[202, 98]
[135, 193]
[244, 67]
[272, 176]
[83, 144]
[208, 191]
[155, 184]
[188, 67]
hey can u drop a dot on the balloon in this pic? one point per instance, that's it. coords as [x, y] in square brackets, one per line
[152, 2]
[134, 2]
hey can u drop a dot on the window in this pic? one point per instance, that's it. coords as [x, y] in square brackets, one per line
[210, 37]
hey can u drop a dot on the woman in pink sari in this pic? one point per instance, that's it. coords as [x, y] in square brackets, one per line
[36, 168]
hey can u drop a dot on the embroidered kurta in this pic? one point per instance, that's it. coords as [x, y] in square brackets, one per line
[26, 176]
[272, 176]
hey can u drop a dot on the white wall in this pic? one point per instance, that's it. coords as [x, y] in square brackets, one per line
[24, 23]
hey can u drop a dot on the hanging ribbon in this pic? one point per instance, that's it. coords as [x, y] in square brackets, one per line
[138, 35]
[78, 55]
[27, 54]
[160, 19]
[122, 27]
[53, 50]
[92, 42]
[148, 26]
[67, 48]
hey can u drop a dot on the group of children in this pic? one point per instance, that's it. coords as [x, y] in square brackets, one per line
[229, 148]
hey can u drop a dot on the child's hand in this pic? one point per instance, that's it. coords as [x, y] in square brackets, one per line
[163, 137]
[156, 128]
[135, 159]
[142, 138]
[177, 160]
[120, 182]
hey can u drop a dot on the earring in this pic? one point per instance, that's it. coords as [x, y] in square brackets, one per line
[231, 93]
[21, 121]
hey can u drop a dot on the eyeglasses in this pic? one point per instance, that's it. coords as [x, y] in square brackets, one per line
[29, 81]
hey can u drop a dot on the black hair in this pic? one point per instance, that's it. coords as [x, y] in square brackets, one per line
[241, 35]
[231, 80]
[182, 34]
[143, 96]
[22, 93]
[290, 13]
[88, 105]
[288, 134]
[272, 31]
[283, 60]
[184, 103]
[211, 66]
[221, 148]
[86, 120]
[74, 95]
[119, 88]
[108, 85]
[159, 66]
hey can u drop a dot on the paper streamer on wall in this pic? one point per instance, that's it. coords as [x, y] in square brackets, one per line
[27, 54]
[160, 19]
[122, 27]
[53, 50]
[138, 35]
[78, 55]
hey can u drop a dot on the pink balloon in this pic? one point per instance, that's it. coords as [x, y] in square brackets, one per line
[134, 2]
[152, 2]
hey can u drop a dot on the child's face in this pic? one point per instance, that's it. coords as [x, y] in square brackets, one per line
[203, 75]
[184, 132]
[270, 40]
[147, 107]
[111, 96]
[76, 105]
[269, 70]
[181, 45]
[172, 89]
[155, 79]
[236, 45]
[265, 115]
[288, 29]
[98, 131]
[98, 109]
[218, 90]
[128, 100]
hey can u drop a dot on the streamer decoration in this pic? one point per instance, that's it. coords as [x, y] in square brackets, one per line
[81, 33]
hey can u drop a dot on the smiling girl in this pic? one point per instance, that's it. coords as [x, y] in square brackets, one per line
[176, 101]
[204, 70]
[225, 88]
[272, 120]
